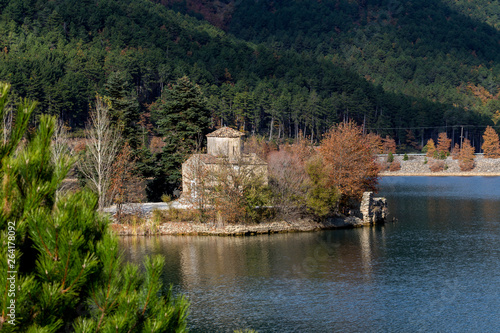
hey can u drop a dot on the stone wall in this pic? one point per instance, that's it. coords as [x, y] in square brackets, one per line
[228, 147]
[373, 210]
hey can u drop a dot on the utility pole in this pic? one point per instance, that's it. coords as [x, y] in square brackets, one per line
[461, 137]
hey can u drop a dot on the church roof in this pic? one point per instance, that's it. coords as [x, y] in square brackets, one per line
[226, 132]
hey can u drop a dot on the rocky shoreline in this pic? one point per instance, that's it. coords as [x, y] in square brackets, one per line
[215, 229]
[372, 211]
[416, 166]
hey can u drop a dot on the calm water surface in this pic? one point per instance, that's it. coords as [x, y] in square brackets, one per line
[436, 269]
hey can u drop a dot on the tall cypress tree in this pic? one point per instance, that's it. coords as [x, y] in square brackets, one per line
[183, 120]
[60, 268]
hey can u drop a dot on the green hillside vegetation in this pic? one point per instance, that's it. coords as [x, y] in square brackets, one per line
[62, 52]
[440, 51]
[482, 10]
[426, 49]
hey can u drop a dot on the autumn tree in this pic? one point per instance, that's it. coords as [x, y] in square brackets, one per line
[466, 156]
[376, 143]
[430, 148]
[411, 140]
[491, 146]
[348, 161]
[389, 145]
[443, 146]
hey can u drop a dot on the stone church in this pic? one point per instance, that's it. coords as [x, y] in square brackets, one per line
[224, 158]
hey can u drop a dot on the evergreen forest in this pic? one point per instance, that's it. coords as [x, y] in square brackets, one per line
[274, 68]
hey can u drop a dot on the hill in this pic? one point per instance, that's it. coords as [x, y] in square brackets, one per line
[444, 51]
[291, 76]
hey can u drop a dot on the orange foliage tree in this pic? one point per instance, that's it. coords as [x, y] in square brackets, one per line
[431, 148]
[348, 161]
[376, 143]
[389, 145]
[466, 156]
[491, 146]
[443, 146]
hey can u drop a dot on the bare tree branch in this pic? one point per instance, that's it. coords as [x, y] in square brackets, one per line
[101, 150]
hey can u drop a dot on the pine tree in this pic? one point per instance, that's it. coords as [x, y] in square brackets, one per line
[183, 120]
[124, 108]
[491, 145]
[64, 272]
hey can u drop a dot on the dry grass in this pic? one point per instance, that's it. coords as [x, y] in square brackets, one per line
[175, 215]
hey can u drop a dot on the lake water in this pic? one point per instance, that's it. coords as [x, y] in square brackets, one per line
[436, 269]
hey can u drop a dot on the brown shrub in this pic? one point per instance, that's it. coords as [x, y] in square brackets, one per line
[383, 166]
[395, 166]
[436, 166]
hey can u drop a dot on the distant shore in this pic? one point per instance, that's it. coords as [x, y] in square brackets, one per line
[417, 166]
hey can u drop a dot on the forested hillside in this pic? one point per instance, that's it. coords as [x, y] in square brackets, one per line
[62, 53]
[439, 50]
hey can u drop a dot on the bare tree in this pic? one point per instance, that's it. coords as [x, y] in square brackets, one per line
[60, 150]
[7, 124]
[7, 114]
[102, 148]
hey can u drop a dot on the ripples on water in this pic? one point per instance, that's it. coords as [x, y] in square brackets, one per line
[436, 269]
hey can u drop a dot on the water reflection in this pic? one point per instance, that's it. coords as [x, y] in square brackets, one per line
[436, 269]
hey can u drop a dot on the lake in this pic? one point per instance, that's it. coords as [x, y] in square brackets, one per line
[437, 268]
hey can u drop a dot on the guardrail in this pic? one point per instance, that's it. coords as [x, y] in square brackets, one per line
[417, 154]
